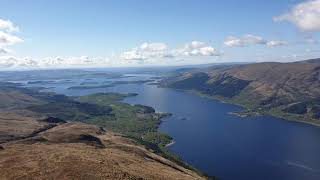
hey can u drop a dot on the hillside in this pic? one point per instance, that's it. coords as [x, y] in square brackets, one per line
[44, 150]
[288, 90]
[47, 136]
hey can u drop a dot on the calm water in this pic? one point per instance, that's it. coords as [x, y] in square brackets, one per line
[221, 144]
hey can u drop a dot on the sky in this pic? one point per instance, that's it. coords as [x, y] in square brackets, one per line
[105, 33]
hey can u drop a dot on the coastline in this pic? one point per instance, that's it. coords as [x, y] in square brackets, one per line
[253, 113]
[163, 150]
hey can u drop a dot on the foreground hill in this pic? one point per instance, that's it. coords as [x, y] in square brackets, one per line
[78, 151]
[288, 90]
[41, 137]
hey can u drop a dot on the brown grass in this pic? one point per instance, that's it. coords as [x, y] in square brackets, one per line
[63, 156]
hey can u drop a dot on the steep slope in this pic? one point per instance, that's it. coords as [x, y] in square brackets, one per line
[284, 89]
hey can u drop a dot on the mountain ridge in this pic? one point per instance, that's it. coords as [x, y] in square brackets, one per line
[282, 89]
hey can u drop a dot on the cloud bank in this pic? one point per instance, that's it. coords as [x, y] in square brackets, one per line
[250, 40]
[148, 51]
[12, 62]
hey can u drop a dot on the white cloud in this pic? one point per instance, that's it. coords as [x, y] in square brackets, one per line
[233, 42]
[146, 51]
[7, 62]
[195, 45]
[276, 43]
[8, 26]
[11, 62]
[243, 41]
[3, 51]
[153, 47]
[305, 16]
[133, 54]
[145, 54]
[250, 40]
[154, 50]
[196, 48]
[149, 51]
[8, 39]
[72, 61]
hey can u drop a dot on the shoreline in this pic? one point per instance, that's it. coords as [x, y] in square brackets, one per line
[170, 144]
[272, 115]
[197, 93]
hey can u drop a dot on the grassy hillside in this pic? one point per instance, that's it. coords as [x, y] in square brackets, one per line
[287, 90]
[72, 150]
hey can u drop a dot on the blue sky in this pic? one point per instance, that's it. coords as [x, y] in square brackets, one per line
[193, 31]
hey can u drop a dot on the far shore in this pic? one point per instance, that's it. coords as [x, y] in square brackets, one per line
[313, 122]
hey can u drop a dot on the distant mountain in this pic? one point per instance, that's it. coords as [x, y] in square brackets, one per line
[289, 90]
[315, 61]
